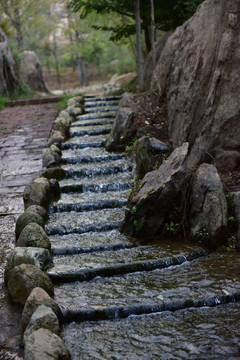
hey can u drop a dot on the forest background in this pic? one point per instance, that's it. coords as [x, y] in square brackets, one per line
[89, 40]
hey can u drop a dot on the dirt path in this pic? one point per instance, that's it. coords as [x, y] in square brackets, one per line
[23, 134]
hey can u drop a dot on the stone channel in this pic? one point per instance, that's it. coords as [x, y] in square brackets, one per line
[122, 299]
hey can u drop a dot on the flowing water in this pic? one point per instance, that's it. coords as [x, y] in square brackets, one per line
[121, 299]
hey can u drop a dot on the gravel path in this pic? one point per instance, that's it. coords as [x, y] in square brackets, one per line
[23, 134]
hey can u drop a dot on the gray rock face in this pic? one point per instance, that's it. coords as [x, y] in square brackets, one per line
[33, 235]
[236, 202]
[9, 81]
[198, 75]
[25, 219]
[42, 344]
[31, 71]
[159, 191]
[126, 97]
[148, 64]
[43, 318]
[208, 207]
[35, 256]
[121, 132]
[37, 298]
[38, 192]
[24, 278]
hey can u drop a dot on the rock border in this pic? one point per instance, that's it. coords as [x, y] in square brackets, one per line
[25, 272]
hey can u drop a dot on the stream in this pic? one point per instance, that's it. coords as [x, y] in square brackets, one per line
[121, 299]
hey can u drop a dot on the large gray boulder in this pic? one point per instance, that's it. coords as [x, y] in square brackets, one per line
[24, 278]
[25, 219]
[33, 235]
[43, 318]
[9, 82]
[37, 298]
[35, 256]
[198, 77]
[31, 71]
[160, 191]
[121, 132]
[208, 207]
[43, 344]
[38, 192]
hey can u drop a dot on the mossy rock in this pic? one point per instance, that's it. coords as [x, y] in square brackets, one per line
[33, 235]
[25, 219]
[23, 279]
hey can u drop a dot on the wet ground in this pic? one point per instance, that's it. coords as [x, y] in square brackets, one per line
[23, 134]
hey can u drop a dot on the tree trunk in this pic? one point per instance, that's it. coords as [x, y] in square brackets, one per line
[139, 44]
[82, 73]
[153, 33]
[147, 39]
[18, 27]
[55, 53]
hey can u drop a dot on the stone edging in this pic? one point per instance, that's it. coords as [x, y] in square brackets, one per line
[24, 275]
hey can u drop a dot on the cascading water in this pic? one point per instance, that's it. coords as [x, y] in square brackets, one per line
[121, 299]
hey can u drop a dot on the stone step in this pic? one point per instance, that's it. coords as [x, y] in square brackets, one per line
[89, 197]
[88, 206]
[206, 281]
[91, 159]
[103, 98]
[106, 115]
[90, 242]
[101, 109]
[86, 151]
[92, 122]
[111, 182]
[99, 103]
[91, 172]
[210, 333]
[72, 222]
[90, 132]
[136, 257]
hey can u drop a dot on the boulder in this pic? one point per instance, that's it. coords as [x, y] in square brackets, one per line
[53, 173]
[198, 78]
[56, 138]
[144, 149]
[125, 99]
[25, 219]
[143, 156]
[31, 71]
[33, 235]
[24, 278]
[121, 132]
[38, 210]
[42, 344]
[226, 160]
[50, 158]
[41, 258]
[38, 192]
[74, 111]
[43, 318]
[37, 298]
[160, 192]
[208, 207]
[9, 81]
[62, 124]
[75, 101]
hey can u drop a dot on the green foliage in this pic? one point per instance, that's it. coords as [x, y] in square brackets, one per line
[131, 146]
[201, 234]
[3, 101]
[149, 191]
[171, 227]
[62, 103]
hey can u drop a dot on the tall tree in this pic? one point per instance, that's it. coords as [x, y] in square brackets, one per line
[139, 43]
